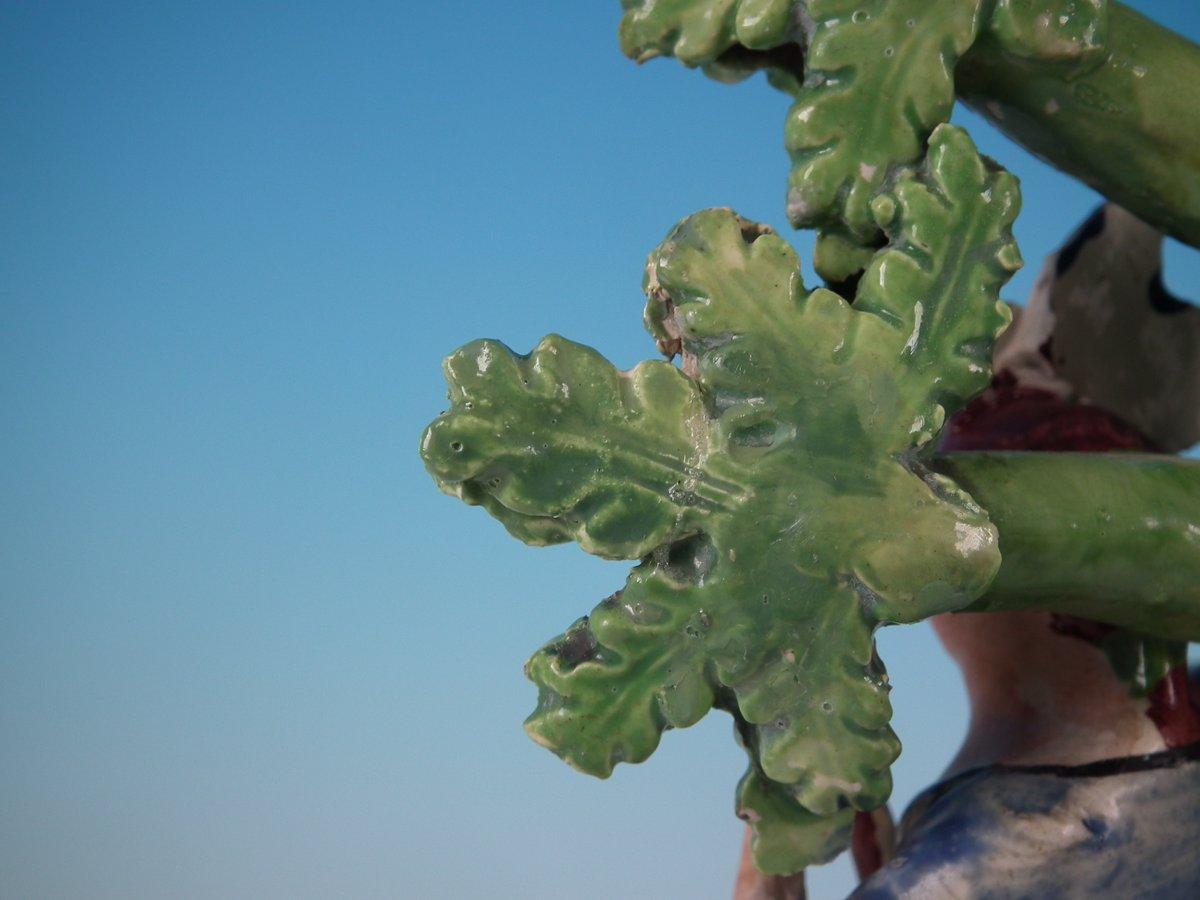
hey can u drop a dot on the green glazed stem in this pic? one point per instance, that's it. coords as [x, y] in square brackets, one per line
[1113, 537]
[1127, 124]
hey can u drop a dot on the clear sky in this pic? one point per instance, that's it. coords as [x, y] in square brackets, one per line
[246, 648]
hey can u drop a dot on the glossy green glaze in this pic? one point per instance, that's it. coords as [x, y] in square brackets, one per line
[559, 445]
[1125, 120]
[1113, 537]
[698, 32]
[781, 520]
[1093, 87]
[727, 39]
[1052, 30]
[878, 76]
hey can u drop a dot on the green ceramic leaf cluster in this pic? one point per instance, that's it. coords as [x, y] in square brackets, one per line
[772, 489]
[873, 78]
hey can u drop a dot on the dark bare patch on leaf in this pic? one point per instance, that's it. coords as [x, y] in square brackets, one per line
[577, 646]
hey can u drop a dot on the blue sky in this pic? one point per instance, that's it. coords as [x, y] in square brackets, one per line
[246, 648]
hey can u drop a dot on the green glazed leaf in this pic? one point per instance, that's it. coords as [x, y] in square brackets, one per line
[636, 666]
[732, 294]
[820, 710]
[559, 446]
[785, 836]
[697, 32]
[892, 376]
[773, 489]
[951, 248]
[878, 79]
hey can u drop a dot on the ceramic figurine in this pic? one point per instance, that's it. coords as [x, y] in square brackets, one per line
[827, 460]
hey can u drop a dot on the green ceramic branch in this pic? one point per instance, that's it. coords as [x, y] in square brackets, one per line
[1126, 120]
[1114, 537]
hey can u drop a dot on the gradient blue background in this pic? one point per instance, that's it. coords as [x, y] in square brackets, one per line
[246, 648]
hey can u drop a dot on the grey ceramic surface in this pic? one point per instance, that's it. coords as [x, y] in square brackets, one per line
[1129, 828]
